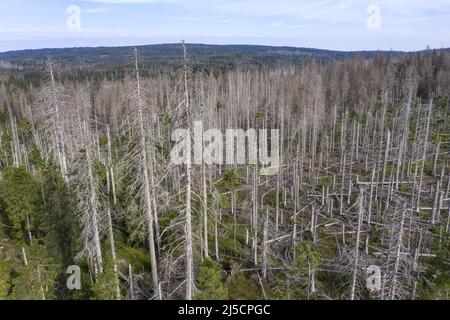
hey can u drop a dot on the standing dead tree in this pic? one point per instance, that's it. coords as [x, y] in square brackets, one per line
[86, 185]
[53, 114]
[138, 162]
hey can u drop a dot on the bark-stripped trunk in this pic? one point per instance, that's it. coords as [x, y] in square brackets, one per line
[147, 186]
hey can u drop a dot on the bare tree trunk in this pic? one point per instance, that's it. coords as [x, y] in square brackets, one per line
[264, 255]
[130, 281]
[216, 236]
[205, 214]
[358, 235]
[255, 216]
[57, 126]
[188, 227]
[425, 147]
[111, 241]
[147, 187]
[397, 257]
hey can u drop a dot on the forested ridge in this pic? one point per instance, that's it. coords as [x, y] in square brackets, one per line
[170, 53]
[364, 179]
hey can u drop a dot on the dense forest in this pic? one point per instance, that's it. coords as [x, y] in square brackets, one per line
[363, 182]
[206, 54]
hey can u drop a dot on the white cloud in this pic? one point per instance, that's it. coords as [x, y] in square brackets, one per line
[96, 10]
[281, 24]
[128, 1]
[186, 18]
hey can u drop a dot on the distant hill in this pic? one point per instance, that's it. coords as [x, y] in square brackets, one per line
[166, 53]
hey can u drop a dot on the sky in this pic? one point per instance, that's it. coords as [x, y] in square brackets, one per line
[407, 25]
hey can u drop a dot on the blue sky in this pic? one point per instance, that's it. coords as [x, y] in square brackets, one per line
[328, 24]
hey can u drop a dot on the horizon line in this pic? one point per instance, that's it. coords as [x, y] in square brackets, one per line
[223, 45]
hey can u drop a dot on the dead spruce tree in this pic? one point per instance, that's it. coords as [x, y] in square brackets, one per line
[138, 162]
[188, 174]
[110, 185]
[53, 111]
[87, 188]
